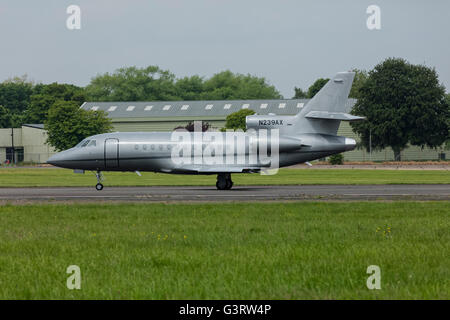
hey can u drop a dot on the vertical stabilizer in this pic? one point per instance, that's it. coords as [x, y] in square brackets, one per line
[328, 107]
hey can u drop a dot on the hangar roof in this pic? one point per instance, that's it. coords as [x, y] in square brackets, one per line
[149, 109]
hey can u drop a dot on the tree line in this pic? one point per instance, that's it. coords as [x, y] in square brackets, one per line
[22, 101]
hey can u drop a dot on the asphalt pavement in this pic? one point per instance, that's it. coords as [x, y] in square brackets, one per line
[238, 193]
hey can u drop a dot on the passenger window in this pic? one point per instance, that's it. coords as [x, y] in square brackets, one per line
[144, 147]
[153, 147]
[160, 147]
[136, 146]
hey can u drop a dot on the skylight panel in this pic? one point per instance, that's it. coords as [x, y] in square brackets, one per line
[245, 106]
[300, 105]
[148, 108]
[282, 105]
[227, 106]
[130, 108]
[208, 107]
[166, 107]
[184, 107]
[263, 106]
[94, 108]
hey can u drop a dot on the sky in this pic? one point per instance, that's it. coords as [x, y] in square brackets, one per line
[291, 43]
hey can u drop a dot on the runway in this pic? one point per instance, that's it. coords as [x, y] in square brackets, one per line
[238, 193]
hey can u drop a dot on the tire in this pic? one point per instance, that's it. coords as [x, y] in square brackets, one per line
[221, 184]
[229, 185]
[99, 186]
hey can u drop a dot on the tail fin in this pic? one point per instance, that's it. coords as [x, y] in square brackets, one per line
[325, 111]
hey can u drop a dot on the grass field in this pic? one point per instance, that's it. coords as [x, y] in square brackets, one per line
[49, 177]
[226, 251]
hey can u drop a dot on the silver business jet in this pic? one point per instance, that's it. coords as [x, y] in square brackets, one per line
[270, 142]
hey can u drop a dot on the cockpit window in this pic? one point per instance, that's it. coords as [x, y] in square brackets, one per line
[85, 144]
[93, 143]
[80, 143]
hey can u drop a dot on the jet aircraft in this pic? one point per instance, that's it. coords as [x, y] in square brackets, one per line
[311, 134]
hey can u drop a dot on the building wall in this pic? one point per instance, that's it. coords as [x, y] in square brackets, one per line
[34, 144]
[410, 153]
[6, 139]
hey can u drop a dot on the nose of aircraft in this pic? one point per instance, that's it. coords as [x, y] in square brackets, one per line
[58, 158]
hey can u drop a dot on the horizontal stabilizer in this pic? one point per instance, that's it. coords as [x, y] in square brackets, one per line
[332, 116]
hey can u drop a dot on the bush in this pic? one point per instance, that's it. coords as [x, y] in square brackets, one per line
[337, 159]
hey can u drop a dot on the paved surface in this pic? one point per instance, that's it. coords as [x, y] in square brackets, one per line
[380, 166]
[238, 193]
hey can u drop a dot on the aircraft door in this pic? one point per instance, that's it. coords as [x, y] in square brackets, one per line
[111, 153]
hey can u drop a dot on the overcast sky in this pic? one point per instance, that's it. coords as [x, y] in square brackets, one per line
[289, 42]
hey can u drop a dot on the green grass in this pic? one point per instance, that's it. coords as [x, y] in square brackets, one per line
[226, 251]
[41, 177]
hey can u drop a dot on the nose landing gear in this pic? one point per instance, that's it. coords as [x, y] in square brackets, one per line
[99, 185]
[224, 181]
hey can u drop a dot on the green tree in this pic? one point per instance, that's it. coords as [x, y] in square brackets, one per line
[189, 88]
[15, 94]
[447, 143]
[316, 86]
[229, 86]
[299, 94]
[133, 84]
[153, 84]
[67, 124]
[45, 95]
[236, 120]
[360, 77]
[5, 117]
[403, 103]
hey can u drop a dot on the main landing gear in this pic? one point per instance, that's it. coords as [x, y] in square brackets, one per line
[99, 185]
[224, 181]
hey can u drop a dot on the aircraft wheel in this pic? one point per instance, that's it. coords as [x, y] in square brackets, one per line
[221, 184]
[229, 184]
[99, 186]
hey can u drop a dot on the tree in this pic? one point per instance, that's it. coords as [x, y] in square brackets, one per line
[189, 88]
[133, 84]
[299, 94]
[68, 124]
[316, 86]
[153, 84]
[447, 143]
[45, 95]
[236, 120]
[5, 117]
[229, 86]
[15, 94]
[403, 103]
[358, 81]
